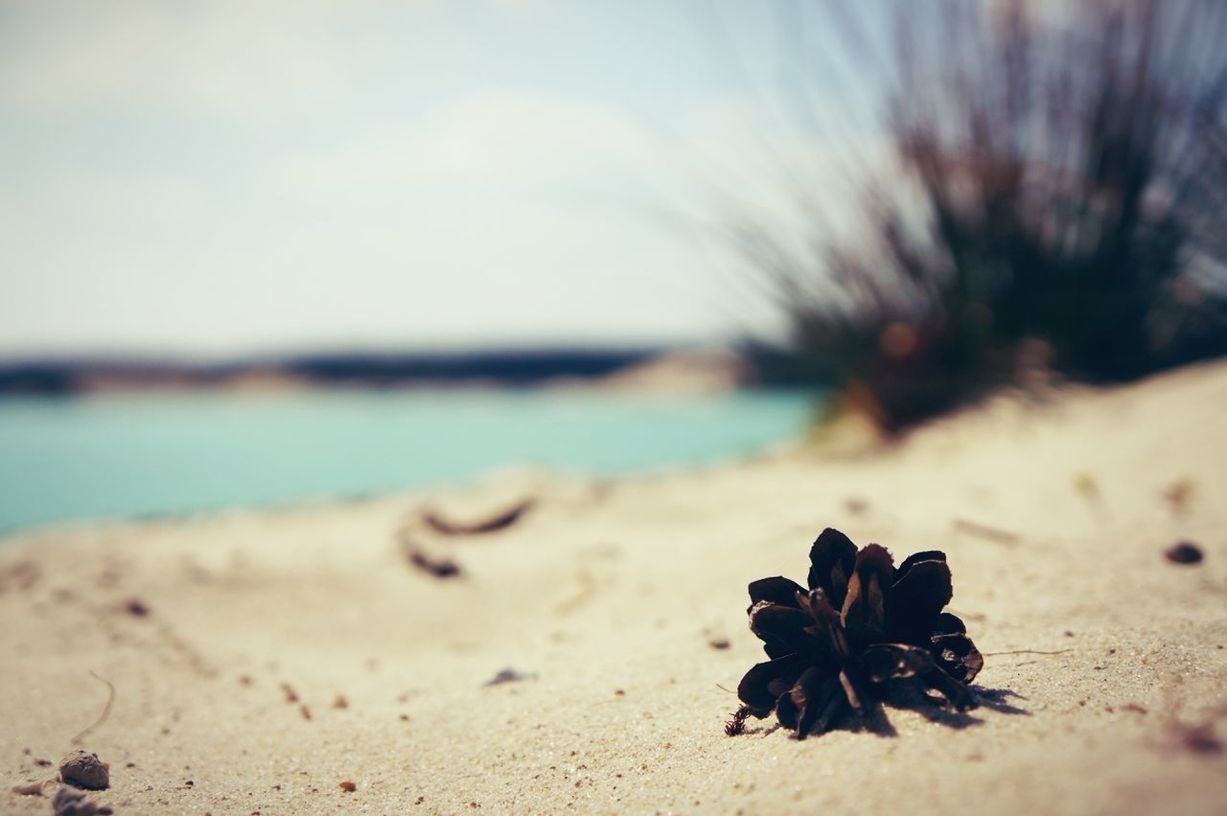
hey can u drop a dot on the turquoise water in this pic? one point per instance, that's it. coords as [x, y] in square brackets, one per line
[127, 455]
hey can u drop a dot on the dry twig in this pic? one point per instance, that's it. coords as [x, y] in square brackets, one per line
[106, 709]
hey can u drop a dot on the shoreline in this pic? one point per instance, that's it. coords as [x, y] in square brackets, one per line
[140, 456]
[647, 370]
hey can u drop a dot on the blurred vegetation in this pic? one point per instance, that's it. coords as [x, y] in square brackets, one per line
[1057, 203]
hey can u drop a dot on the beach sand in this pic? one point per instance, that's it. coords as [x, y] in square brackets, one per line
[1105, 683]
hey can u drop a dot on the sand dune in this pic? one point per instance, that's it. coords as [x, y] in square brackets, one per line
[1104, 684]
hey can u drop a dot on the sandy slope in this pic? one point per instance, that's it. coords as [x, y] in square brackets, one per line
[609, 595]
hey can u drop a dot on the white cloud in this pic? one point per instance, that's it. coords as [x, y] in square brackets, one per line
[493, 140]
[221, 58]
[459, 172]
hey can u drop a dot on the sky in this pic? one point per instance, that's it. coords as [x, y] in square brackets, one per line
[230, 177]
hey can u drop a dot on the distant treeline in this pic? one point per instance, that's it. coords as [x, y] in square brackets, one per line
[511, 368]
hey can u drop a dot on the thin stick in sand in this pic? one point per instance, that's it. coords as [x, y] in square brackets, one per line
[986, 532]
[106, 709]
[492, 524]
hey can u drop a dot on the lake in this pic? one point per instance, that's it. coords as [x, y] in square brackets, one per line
[122, 455]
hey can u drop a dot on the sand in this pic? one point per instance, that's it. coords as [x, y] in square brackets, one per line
[607, 599]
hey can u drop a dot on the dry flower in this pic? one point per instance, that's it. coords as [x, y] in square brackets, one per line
[862, 624]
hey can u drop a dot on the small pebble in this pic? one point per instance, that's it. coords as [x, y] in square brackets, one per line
[73, 803]
[509, 675]
[1184, 552]
[85, 770]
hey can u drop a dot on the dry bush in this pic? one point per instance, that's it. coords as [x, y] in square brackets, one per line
[1060, 201]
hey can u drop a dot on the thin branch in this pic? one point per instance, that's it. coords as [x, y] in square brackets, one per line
[106, 709]
[1027, 651]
